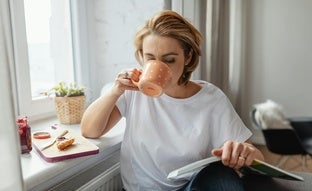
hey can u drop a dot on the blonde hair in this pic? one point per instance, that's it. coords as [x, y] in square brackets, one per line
[170, 24]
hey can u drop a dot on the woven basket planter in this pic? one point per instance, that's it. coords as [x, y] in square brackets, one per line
[70, 109]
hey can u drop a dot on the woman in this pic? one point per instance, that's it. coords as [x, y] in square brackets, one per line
[192, 120]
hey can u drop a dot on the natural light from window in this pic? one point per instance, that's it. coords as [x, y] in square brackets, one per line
[49, 40]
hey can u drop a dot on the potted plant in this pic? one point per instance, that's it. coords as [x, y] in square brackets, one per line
[69, 102]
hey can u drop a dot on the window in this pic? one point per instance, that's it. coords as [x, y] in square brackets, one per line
[43, 52]
[48, 30]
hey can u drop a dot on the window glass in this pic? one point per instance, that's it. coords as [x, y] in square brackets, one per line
[49, 41]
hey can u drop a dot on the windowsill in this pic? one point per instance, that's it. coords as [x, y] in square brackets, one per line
[40, 175]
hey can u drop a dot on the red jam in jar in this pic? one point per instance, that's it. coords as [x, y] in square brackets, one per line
[25, 134]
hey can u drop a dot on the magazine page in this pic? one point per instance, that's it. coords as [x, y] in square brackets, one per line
[257, 167]
[263, 168]
[191, 168]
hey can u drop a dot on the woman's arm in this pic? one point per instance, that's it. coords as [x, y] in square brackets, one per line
[103, 113]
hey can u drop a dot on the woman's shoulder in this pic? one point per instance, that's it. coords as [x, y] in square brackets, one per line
[211, 92]
[208, 87]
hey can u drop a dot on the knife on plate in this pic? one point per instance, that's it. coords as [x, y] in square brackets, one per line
[54, 140]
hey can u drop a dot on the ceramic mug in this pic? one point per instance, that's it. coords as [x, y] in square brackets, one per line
[154, 78]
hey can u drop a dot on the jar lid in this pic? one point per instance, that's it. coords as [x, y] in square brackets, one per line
[42, 135]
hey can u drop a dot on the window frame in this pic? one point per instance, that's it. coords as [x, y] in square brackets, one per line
[43, 107]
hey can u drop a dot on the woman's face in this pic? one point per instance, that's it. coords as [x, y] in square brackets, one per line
[167, 50]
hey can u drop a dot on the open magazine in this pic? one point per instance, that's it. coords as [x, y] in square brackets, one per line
[257, 167]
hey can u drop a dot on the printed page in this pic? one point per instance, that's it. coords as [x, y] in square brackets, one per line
[257, 167]
[263, 168]
[192, 168]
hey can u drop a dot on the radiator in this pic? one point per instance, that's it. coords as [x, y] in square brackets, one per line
[103, 176]
[109, 180]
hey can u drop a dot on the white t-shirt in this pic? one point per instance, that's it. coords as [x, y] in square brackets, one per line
[165, 133]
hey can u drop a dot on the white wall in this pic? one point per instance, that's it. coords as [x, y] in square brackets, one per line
[279, 55]
[113, 26]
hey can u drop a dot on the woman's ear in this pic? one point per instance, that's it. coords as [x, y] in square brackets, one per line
[188, 58]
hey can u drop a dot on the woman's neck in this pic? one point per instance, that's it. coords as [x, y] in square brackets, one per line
[183, 91]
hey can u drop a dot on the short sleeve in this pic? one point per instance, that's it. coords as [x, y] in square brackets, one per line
[122, 103]
[230, 126]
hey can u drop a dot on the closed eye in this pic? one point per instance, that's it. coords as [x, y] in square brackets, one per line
[170, 61]
[149, 57]
[169, 57]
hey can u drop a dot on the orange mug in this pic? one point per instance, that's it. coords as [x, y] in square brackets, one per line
[154, 78]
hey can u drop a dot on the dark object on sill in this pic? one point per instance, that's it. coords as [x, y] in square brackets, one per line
[25, 134]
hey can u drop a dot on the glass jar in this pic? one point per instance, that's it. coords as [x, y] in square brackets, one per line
[25, 134]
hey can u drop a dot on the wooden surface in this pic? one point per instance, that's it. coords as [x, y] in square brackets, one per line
[81, 147]
[294, 162]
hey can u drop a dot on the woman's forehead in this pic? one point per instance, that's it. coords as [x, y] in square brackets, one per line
[153, 44]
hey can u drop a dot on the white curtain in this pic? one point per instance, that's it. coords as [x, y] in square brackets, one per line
[10, 173]
[221, 23]
[223, 63]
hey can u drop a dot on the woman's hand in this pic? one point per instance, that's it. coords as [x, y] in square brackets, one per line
[124, 81]
[236, 154]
